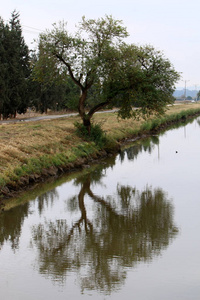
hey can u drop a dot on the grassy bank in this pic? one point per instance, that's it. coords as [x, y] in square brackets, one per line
[33, 151]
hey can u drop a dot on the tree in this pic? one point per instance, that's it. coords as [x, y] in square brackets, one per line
[4, 31]
[189, 98]
[96, 59]
[15, 66]
[51, 87]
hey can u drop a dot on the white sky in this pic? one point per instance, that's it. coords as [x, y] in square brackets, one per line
[172, 26]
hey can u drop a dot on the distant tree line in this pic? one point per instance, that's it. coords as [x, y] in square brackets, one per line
[87, 71]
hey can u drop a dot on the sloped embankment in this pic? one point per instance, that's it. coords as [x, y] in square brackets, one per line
[33, 152]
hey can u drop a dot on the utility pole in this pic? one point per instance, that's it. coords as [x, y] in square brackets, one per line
[185, 89]
[196, 91]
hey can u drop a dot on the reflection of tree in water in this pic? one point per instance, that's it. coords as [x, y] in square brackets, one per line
[147, 145]
[121, 230]
[11, 223]
[46, 199]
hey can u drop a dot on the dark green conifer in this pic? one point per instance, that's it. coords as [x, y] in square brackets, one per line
[14, 63]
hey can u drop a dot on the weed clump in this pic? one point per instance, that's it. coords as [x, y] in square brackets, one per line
[97, 135]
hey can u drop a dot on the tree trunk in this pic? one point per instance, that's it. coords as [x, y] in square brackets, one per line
[81, 106]
[87, 123]
[86, 118]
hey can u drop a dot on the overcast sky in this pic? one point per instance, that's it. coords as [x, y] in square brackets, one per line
[172, 26]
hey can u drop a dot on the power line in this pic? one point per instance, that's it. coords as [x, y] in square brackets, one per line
[29, 31]
[33, 28]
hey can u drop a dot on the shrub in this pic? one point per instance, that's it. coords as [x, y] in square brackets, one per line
[97, 135]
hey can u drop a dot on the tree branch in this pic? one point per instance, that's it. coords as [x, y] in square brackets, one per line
[77, 82]
[97, 108]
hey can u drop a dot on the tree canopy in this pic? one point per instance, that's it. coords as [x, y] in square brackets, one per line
[15, 70]
[108, 71]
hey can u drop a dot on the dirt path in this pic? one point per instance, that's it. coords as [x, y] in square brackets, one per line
[47, 117]
[38, 118]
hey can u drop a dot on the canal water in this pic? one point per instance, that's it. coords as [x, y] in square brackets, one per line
[127, 228]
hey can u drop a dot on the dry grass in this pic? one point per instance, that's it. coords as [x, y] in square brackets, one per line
[22, 141]
[117, 128]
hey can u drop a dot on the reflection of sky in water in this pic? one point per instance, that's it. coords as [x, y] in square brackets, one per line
[163, 167]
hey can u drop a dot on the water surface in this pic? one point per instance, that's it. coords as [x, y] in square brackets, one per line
[128, 227]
